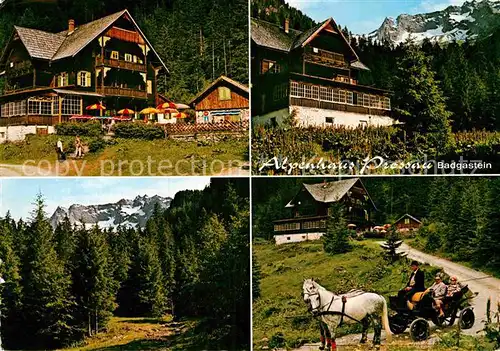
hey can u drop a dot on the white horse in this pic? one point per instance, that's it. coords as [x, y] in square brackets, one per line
[357, 307]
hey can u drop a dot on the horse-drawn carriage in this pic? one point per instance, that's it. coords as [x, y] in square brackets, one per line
[417, 318]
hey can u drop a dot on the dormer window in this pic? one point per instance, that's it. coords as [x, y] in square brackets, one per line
[62, 79]
[115, 55]
[84, 79]
[269, 66]
[224, 93]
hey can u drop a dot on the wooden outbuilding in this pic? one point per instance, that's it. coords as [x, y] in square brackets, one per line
[223, 100]
[407, 223]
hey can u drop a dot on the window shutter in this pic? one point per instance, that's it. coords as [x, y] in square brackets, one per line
[79, 78]
[88, 78]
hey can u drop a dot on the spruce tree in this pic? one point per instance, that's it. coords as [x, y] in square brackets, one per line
[420, 103]
[94, 287]
[145, 282]
[46, 300]
[10, 291]
[64, 240]
[336, 238]
[391, 246]
[487, 244]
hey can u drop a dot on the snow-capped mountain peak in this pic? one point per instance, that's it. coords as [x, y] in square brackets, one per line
[467, 21]
[129, 213]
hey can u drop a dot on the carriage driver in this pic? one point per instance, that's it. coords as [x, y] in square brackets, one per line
[438, 290]
[415, 284]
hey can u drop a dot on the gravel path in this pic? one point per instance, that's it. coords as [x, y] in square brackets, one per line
[7, 170]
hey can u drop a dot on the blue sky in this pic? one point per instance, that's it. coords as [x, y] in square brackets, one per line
[17, 195]
[364, 16]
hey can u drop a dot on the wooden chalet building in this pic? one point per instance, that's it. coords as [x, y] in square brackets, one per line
[311, 207]
[407, 223]
[223, 100]
[314, 75]
[49, 77]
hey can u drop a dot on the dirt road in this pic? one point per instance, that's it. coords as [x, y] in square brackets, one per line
[7, 170]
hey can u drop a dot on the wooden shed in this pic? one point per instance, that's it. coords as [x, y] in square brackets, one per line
[223, 100]
[407, 223]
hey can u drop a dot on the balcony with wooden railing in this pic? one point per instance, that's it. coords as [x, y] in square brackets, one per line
[127, 92]
[10, 89]
[326, 58]
[122, 64]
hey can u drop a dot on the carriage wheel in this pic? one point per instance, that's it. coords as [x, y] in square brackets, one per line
[419, 329]
[397, 324]
[446, 321]
[466, 318]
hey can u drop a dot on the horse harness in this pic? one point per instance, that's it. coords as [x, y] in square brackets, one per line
[342, 314]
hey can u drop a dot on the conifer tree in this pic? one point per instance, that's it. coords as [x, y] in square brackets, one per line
[94, 287]
[10, 291]
[46, 300]
[420, 102]
[391, 245]
[336, 238]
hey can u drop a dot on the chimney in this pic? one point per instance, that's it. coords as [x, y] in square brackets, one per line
[287, 25]
[71, 26]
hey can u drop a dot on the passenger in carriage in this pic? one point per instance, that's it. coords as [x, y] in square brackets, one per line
[438, 291]
[415, 284]
[453, 288]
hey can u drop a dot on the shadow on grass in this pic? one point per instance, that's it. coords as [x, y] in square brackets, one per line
[170, 343]
[144, 320]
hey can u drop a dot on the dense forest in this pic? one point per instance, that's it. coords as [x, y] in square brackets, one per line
[191, 261]
[198, 40]
[461, 215]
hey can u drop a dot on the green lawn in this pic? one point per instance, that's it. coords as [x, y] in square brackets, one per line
[280, 318]
[129, 157]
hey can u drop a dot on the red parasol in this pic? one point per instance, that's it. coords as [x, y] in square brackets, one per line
[96, 107]
[126, 111]
[172, 105]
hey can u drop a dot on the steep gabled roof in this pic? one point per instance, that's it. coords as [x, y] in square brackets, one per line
[302, 38]
[84, 34]
[216, 82]
[269, 35]
[272, 36]
[39, 44]
[57, 46]
[329, 192]
[409, 216]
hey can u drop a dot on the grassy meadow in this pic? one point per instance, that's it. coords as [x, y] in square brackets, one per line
[192, 158]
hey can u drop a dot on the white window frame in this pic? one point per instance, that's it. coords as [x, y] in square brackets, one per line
[128, 58]
[149, 86]
[115, 53]
[62, 79]
[84, 79]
